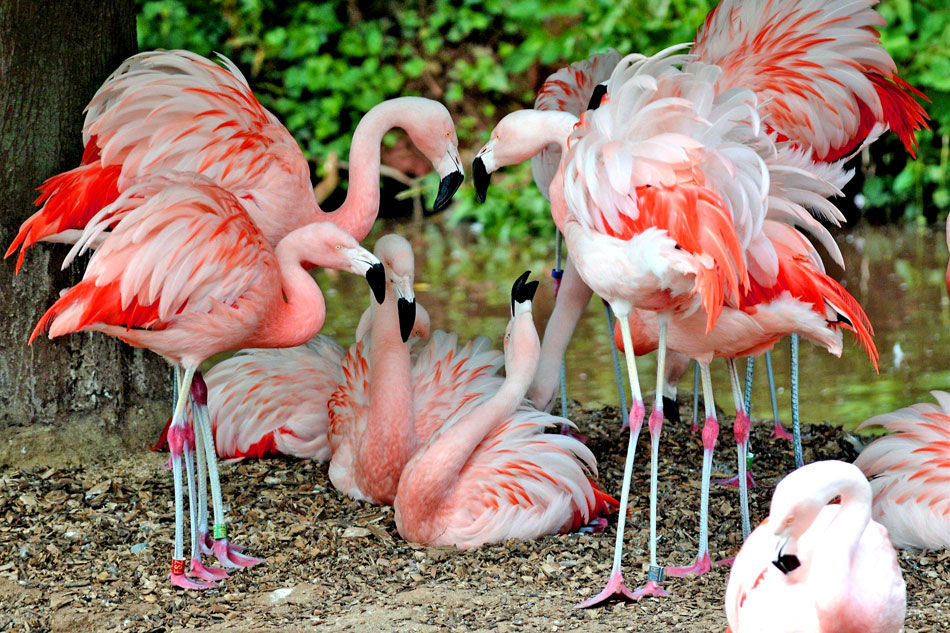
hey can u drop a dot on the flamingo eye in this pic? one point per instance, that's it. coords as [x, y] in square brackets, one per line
[338, 247]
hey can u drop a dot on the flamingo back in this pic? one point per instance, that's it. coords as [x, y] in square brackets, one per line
[348, 408]
[568, 90]
[910, 473]
[269, 401]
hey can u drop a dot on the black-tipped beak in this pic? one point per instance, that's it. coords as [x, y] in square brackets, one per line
[522, 290]
[407, 317]
[447, 188]
[482, 178]
[376, 277]
[597, 96]
[787, 563]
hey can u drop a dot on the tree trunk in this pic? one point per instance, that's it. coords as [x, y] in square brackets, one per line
[53, 57]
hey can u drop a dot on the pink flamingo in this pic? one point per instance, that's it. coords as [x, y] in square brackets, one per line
[817, 565]
[491, 473]
[393, 398]
[275, 401]
[910, 473]
[166, 111]
[186, 273]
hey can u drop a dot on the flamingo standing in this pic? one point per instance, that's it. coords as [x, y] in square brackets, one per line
[816, 565]
[186, 273]
[166, 111]
[491, 473]
[392, 398]
[910, 473]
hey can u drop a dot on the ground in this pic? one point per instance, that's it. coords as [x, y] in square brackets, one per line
[69, 532]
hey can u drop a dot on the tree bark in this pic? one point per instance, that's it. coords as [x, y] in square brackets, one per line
[53, 57]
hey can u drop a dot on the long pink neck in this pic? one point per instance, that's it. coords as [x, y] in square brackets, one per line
[389, 440]
[359, 210]
[298, 310]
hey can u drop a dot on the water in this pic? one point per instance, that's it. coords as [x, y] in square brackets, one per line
[896, 274]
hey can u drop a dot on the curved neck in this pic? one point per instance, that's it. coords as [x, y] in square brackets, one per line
[389, 439]
[831, 564]
[359, 210]
[299, 309]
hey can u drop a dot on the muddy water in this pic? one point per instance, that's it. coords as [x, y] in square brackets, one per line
[896, 274]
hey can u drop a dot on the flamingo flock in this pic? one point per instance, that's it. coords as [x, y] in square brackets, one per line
[689, 185]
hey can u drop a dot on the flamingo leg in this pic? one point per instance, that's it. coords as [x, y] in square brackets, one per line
[228, 555]
[204, 536]
[796, 423]
[177, 439]
[557, 273]
[749, 379]
[198, 570]
[695, 426]
[741, 430]
[655, 575]
[778, 431]
[615, 584]
[615, 357]
[710, 433]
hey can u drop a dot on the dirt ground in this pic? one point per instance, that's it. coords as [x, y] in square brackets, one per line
[87, 548]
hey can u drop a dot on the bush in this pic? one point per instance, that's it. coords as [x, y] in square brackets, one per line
[321, 66]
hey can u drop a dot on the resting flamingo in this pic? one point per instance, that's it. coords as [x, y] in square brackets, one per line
[910, 473]
[393, 398]
[186, 273]
[683, 133]
[491, 473]
[166, 111]
[816, 565]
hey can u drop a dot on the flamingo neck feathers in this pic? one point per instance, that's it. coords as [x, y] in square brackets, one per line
[389, 439]
[298, 310]
[359, 210]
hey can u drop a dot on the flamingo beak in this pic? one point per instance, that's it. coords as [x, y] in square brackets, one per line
[376, 277]
[482, 178]
[450, 169]
[785, 563]
[405, 306]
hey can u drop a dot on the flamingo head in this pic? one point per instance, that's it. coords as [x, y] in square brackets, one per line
[433, 132]
[329, 246]
[522, 346]
[395, 253]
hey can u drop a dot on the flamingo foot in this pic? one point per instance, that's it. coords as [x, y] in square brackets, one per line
[652, 588]
[615, 587]
[596, 526]
[206, 543]
[694, 428]
[726, 562]
[229, 556]
[567, 430]
[702, 566]
[733, 482]
[179, 579]
[779, 432]
[198, 570]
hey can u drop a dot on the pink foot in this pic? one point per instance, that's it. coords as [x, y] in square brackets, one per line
[596, 526]
[567, 430]
[229, 556]
[734, 480]
[726, 562]
[615, 587]
[198, 570]
[694, 428]
[652, 588]
[206, 543]
[779, 432]
[179, 579]
[702, 566]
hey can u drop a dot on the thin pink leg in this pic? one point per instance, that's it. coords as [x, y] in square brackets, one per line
[655, 575]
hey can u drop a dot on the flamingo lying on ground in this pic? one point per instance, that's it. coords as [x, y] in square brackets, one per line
[393, 398]
[490, 472]
[166, 111]
[274, 401]
[910, 473]
[815, 565]
[186, 273]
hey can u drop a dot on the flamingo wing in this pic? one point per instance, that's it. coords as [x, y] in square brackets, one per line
[270, 401]
[818, 68]
[181, 246]
[910, 473]
[348, 409]
[447, 378]
[568, 90]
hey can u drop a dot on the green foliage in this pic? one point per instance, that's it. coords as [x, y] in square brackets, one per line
[321, 66]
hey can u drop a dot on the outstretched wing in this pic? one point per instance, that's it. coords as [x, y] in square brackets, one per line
[267, 401]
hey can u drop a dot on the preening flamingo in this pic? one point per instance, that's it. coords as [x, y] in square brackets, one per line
[815, 565]
[275, 401]
[491, 473]
[186, 273]
[393, 398]
[166, 111]
[910, 473]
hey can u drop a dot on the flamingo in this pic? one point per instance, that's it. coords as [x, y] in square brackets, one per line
[681, 133]
[910, 473]
[816, 565]
[491, 473]
[186, 273]
[178, 111]
[392, 398]
[274, 401]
